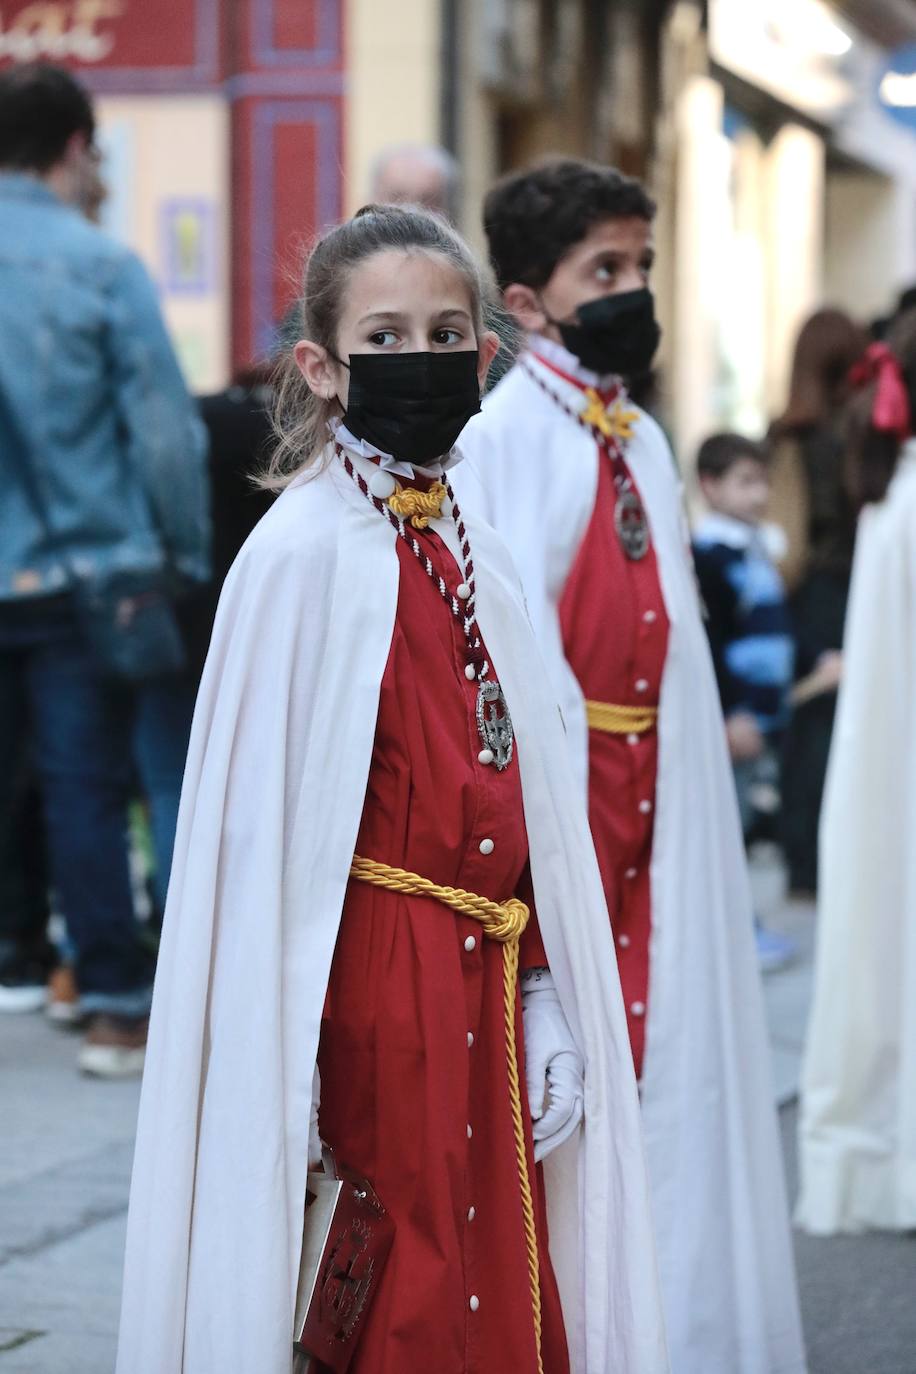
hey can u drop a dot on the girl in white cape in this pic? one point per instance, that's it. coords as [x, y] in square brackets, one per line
[857, 1141]
[376, 796]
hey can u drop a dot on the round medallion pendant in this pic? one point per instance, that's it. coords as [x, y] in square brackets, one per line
[632, 525]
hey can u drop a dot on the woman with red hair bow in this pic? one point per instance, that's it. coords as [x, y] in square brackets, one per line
[858, 1113]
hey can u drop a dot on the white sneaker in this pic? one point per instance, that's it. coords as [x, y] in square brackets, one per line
[115, 1047]
[16, 997]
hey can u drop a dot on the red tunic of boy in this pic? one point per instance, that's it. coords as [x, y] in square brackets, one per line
[414, 1090]
[615, 637]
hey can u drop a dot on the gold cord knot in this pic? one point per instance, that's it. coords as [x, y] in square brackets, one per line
[419, 507]
[613, 422]
[510, 924]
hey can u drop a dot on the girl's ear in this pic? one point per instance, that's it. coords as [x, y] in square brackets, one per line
[487, 349]
[317, 367]
[523, 303]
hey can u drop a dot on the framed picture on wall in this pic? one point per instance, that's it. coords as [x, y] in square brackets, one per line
[188, 250]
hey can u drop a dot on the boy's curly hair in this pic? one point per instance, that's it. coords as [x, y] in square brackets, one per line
[533, 218]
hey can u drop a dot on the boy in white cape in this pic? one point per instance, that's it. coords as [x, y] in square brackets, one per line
[582, 486]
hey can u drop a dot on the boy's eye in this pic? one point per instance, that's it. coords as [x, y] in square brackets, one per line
[447, 336]
[606, 271]
[382, 338]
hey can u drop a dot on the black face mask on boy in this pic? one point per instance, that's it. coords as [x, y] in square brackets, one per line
[412, 405]
[616, 334]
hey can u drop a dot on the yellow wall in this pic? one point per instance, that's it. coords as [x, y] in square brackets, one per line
[393, 67]
[158, 150]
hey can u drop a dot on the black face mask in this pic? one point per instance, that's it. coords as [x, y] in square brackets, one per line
[412, 405]
[616, 334]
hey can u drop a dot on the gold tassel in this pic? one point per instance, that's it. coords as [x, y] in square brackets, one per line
[615, 423]
[419, 507]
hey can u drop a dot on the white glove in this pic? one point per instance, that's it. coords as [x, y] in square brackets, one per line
[314, 1138]
[554, 1067]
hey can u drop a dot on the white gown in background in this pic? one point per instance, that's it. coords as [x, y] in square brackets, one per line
[857, 1135]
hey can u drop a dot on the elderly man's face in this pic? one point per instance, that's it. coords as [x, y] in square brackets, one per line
[407, 179]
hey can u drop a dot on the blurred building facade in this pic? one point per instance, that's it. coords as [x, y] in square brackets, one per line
[784, 168]
[793, 185]
[221, 122]
[777, 135]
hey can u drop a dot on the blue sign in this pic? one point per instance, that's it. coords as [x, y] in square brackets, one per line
[896, 92]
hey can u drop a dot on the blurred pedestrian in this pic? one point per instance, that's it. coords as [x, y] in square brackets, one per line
[810, 502]
[857, 1133]
[582, 486]
[349, 699]
[416, 174]
[747, 621]
[103, 508]
[238, 429]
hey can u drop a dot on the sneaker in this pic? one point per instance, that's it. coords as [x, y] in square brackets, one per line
[63, 1006]
[115, 1046]
[23, 985]
[774, 951]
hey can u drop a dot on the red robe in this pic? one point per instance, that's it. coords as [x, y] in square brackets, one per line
[615, 637]
[412, 1056]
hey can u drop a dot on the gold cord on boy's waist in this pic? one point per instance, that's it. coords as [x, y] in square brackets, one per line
[621, 720]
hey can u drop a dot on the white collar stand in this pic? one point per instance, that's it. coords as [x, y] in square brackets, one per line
[386, 461]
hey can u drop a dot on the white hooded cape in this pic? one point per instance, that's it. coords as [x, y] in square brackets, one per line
[857, 1137]
[715, 1167]
[276, 776]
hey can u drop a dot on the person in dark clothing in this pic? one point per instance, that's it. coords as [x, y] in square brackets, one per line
[238, 425]
[810, 501]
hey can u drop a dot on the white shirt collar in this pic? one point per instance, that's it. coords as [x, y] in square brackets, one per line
[386, 461]
[716, 528]
[549, 351]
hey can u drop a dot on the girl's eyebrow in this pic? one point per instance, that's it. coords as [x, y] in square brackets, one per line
[382, 315]
[455, 313]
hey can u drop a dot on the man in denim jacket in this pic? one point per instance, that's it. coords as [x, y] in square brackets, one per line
[97, 409]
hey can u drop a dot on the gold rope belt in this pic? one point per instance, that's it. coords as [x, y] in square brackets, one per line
[620, 720]
[504, 922]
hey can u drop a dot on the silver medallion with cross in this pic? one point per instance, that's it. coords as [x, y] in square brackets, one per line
[494, 724]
